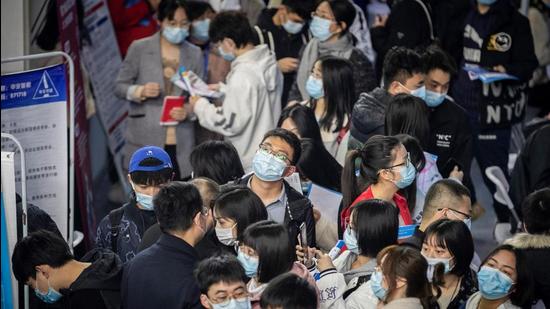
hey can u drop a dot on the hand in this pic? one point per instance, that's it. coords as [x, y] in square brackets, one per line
[499, 68]
[288, 64]
[193, 101]
[456, 173]
[316, 215]
[308, 262]
[324, 261]
[151, 90]
[178, 113]
[380, 21]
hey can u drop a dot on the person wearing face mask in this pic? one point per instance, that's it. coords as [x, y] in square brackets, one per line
[373, 227]
[43, 261]
[276, 158]
[449, 249]
[496, 37]
[235, 209]
[385, 168]
[123, 228]
[504, 281]
[222, 283]
[399, 281]
[266, 252]
[252, 93]
[144, 80]
[402, 74]
[450, 132]
[285, 30]
[161, 276]
[329, 26]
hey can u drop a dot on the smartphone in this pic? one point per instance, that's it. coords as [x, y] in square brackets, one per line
[302, 240]
[449, 166]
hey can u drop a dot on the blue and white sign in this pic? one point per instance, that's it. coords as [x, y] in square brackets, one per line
[34, 110]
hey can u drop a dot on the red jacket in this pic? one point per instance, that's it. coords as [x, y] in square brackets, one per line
[132, 20]
[399, 200]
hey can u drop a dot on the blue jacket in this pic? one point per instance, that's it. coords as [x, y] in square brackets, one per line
[162, 277]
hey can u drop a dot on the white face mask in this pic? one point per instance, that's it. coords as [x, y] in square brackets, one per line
[225, 235]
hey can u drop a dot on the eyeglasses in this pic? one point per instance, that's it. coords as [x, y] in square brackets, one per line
[323, 16]
[279, 155]
[406, 163]
[224, 301]
[467, 216]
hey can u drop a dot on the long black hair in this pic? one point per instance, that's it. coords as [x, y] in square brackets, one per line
[217, 160]
[343, 11]
[304, 119]
[409, 115]
[418, 160]
[339, 91]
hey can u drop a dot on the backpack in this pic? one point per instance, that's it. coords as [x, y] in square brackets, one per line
[115, 216]
[358, 283]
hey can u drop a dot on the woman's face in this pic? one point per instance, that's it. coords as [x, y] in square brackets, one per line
[226, 223]
[290, 125]
[179, 21]
[323, 10]
[505, 261]
[317, 71]
[400, 160]
[431, 249]
[248, 251]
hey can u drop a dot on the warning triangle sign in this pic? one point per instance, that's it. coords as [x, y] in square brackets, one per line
[46, 88]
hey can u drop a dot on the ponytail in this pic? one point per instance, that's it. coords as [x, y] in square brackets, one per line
[350, 188]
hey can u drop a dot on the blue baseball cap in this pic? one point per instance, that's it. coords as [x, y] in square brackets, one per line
[149, 152]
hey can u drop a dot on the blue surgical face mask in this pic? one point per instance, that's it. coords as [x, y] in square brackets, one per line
[243, 303]
[350, 239]
[493, 284]
[293, 27]
[486, 2]
[468, 223]
[320, 28]
[434, 99]
[175, 35]
[50, 297]
[250, 264]
[408, 174]
[267, 167]
[200, 29]
[432, 262]
[227, 56]
[146, 201]
[314, 87]
[376, 285]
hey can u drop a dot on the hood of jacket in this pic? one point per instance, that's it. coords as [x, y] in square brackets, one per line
[105, 273]
[259, 60]
[369, 113]
[529, 241]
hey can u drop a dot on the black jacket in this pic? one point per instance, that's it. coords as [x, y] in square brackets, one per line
[537, 253]
[98, 286]
[450, 136]
[284, 44]
[408, 25]
[448, 22]
[368, 115]
[502, 36]
[37, 219]
[532, 169]
[300, 209]
[162, 277]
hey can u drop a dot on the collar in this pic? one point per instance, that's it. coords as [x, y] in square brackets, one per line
[177, 244]
[282, 196]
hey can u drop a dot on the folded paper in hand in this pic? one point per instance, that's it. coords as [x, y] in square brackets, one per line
[191, 82]
[326, 201]
[485, 76]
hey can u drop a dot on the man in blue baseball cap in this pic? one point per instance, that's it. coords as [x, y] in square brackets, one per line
[122, 229]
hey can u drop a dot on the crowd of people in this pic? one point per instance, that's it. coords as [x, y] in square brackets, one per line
[376, 102]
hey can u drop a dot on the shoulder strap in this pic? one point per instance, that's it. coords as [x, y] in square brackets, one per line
[115, 216]
[261, 38]
[425, 8]
[360, 281]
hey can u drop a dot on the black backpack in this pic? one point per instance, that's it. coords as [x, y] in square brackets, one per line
[115, 216]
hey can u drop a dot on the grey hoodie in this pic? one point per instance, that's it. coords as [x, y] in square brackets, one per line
[367, 118]
[252, 103]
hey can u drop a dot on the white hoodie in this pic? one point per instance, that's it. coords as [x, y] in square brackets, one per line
[252, 103]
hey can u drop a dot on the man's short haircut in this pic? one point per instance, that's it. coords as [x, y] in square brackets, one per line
[196, 9]
[288, 291]
[38, 248]
[176, 204]
[436, 58]
[167, 9]
[441, 192]
[216, 269]
[302, 8]
[208, 189]
[290, 138]
[232, 25]
[400, 64]
[536, 212]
